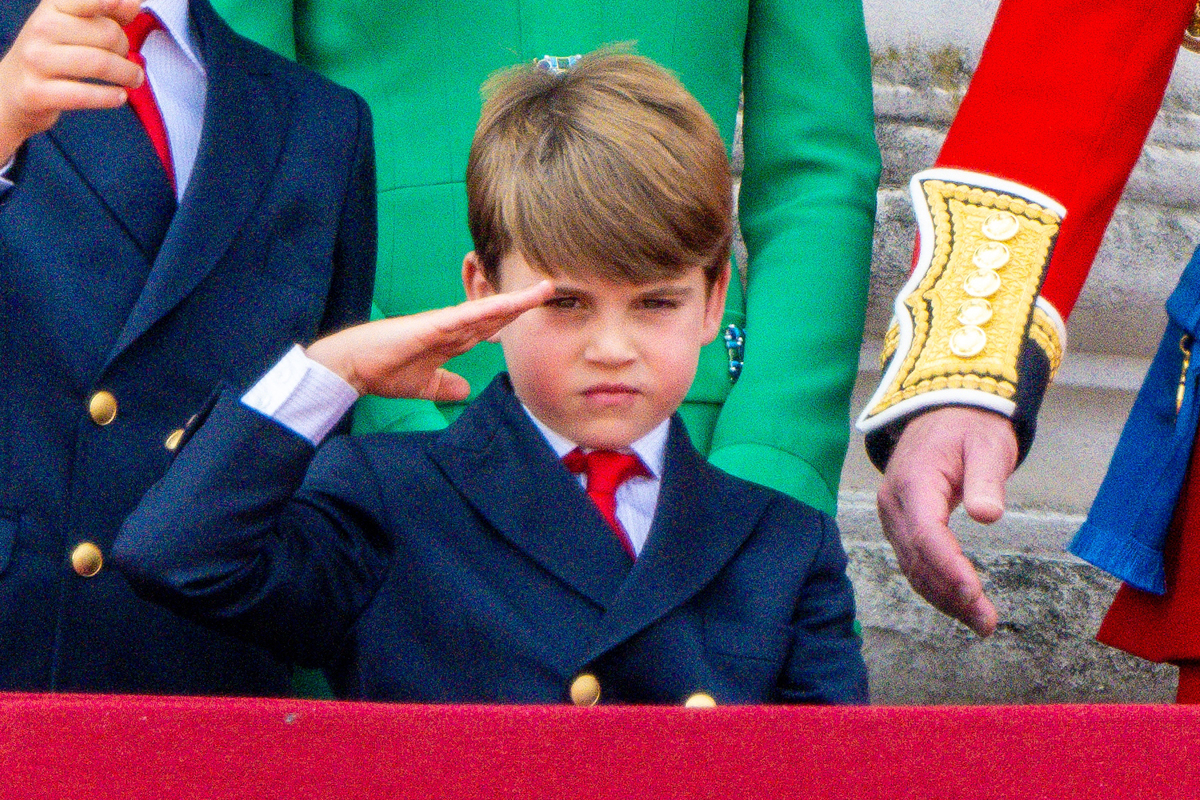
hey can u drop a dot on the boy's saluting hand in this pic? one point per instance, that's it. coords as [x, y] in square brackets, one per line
[403, 356]
[69, 55]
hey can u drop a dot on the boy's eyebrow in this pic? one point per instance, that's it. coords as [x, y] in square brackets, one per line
[562, 287]
[668, 291]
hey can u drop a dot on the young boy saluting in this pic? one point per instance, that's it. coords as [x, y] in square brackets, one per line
[562, 540]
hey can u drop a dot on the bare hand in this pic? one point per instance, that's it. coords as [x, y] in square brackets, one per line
[403, 356]
[69, 55]
[943, 457]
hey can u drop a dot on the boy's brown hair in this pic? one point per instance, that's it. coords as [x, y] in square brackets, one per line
[611, 167]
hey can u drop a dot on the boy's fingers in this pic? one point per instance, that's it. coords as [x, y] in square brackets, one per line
[446, 387]
[509, 305]
[77, 96]
[475, 320]
[81, 64]
[103, 33]
[122, 11]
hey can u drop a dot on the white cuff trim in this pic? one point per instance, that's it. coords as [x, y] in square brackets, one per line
[302, 395]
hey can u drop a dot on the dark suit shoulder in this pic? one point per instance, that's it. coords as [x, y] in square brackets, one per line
[769, 503]
[252, 57]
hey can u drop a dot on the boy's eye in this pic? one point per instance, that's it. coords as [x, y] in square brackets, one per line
[657, 303]
[564, 302]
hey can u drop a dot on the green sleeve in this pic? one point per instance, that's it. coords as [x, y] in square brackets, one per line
[268, 22]
[806, 207]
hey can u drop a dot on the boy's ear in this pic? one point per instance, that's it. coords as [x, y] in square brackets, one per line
[714, 305]
[476, 284]
[474, 280]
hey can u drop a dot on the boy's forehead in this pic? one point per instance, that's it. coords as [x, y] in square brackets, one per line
[586, 274]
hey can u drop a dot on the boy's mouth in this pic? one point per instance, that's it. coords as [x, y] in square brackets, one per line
[610, 393]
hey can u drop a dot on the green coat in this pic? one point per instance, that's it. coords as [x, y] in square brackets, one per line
[807, 194]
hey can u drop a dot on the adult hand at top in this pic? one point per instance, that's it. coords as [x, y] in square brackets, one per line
[69, 55]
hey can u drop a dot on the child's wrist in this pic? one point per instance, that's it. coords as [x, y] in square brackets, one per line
[336, 360]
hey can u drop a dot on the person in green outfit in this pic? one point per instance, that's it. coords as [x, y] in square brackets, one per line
[806, 204]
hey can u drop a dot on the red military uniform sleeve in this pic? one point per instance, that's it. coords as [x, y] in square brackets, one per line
[1012, 214]
[1062, 101]
[1054, 120]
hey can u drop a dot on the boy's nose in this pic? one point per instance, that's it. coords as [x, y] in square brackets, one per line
[609, 343]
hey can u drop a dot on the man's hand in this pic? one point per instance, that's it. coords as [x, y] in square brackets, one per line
[943, 457]
[403, 356]
[69, 55]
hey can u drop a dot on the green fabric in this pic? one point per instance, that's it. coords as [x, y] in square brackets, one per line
[807, 196]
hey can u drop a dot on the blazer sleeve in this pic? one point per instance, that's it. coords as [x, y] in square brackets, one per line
[244, 535]
[806, 209]
[1048, 132]
[826, 663]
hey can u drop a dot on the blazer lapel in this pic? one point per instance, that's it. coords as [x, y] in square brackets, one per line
[113, 155]
[508, 472]
[240, 144]
[699, 526]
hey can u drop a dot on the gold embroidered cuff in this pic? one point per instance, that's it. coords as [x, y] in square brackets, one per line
[962, 318]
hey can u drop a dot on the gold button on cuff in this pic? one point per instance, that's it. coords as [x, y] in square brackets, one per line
[968, 341]
[102, 407]
[1001, 226]
[991, 255]
[700, 700]
[982, 283]
[975, 312]
[87, 560]
[172, 442]
[585, 690]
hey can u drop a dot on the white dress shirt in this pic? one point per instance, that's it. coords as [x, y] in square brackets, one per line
[637, 498]
[180, 85]
[310, 400]
[179, 82]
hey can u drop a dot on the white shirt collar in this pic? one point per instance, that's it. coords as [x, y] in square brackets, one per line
[651, 448]
[175, 18]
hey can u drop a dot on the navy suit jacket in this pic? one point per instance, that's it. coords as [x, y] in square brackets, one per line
[468, 565]
[106, 285]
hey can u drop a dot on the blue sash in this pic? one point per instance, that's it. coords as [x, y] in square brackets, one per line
[1127, 525]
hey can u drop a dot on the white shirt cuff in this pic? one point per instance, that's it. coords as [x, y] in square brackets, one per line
[302, 395]
[5, 183]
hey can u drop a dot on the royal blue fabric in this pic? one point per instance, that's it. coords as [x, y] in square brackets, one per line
[1127, 526]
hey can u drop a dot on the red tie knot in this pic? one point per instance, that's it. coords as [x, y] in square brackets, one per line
[142, 26]
[605, 469]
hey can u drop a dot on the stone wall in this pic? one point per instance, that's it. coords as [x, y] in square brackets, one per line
[1050, 603]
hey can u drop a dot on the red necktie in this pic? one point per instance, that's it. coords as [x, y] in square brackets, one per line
[606, 470]
[141, 99]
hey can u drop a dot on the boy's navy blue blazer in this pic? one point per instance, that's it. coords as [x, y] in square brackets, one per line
[468, 565]
[105, 285]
